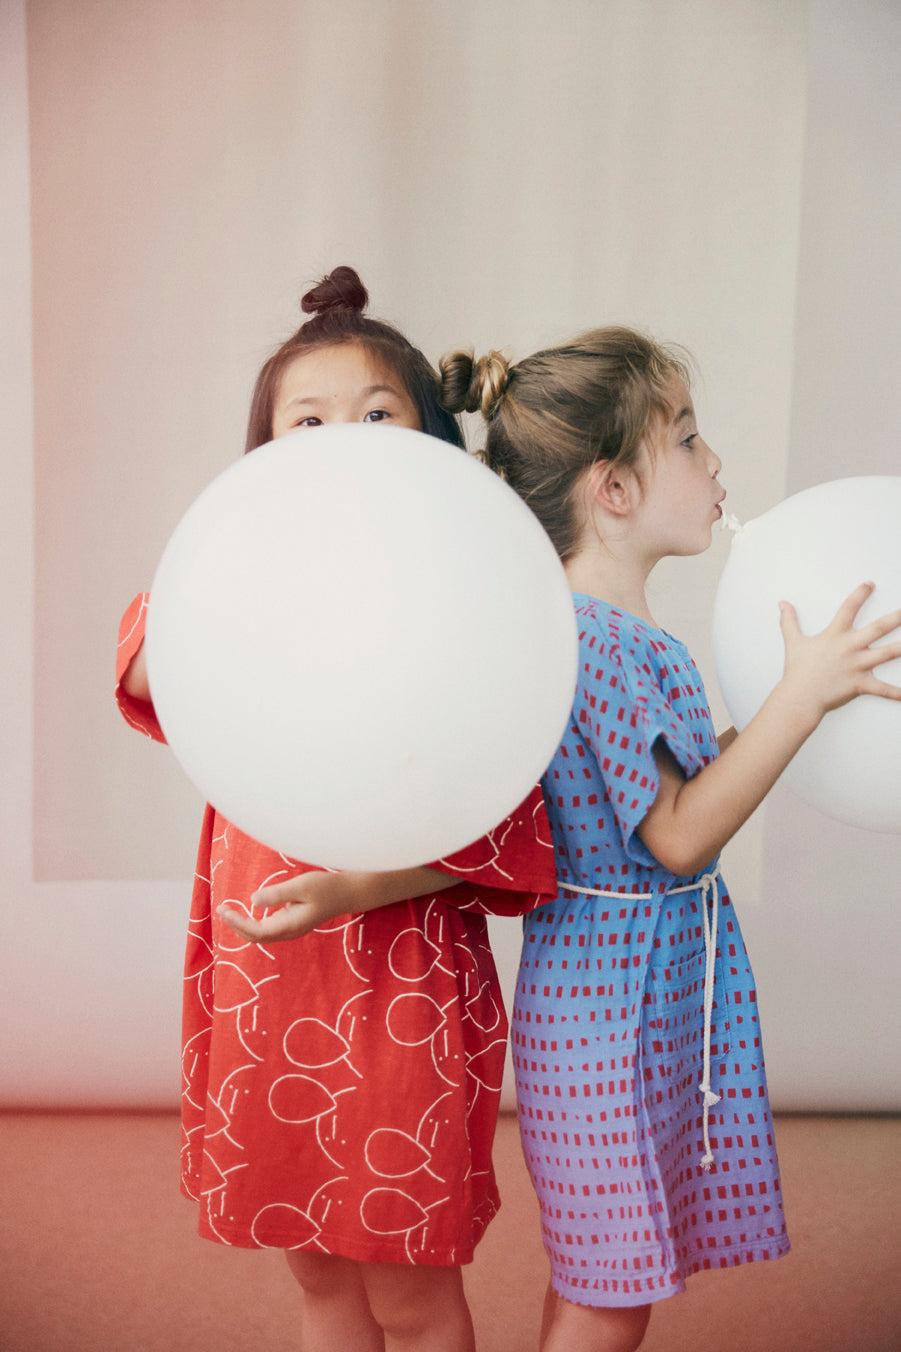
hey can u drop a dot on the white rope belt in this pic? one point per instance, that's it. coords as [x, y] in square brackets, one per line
[709, 885]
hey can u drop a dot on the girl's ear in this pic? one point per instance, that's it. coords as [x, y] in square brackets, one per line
[612, 487]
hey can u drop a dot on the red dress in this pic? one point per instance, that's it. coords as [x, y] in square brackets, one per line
[340, 1091]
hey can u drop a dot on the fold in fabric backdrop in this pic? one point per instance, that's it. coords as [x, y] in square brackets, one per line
[503, 176]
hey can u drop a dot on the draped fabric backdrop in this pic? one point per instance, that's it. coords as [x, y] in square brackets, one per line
[502, 173]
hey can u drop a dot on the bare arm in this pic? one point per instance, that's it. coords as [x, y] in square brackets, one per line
[312, 898]
[691, 820]
[135, 682]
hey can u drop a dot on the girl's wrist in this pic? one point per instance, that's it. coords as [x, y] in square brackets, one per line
[355, 892]
[793, 697]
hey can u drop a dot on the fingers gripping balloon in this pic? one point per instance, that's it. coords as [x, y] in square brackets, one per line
[813, 549]
[361, 647]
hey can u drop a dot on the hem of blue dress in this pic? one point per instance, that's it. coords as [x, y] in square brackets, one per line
[672, 1282]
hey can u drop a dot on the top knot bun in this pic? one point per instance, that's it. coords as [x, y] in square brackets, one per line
[474, 385]
[340, 290]
[494, 373]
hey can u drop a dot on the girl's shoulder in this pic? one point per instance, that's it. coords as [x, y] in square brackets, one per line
[624, 639]
[634, 673]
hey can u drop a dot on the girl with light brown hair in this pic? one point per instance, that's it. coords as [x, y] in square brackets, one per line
[640, 1080]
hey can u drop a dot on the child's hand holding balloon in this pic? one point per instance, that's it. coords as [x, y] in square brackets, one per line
[811, 549]
[832, 667]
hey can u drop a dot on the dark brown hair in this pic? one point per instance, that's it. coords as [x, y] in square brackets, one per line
[337, 304]
[555, 414]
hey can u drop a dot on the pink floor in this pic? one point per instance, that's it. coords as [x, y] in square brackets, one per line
[99, 1252]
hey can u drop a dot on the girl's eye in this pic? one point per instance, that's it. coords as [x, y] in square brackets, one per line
[312, 421]
[376, 415]
[687, 443]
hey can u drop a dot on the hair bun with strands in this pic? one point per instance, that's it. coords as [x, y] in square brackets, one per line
[476, 386]
[340, 290]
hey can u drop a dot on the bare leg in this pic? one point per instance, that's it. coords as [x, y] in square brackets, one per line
[547, 1314]
[419, 1307]
[582, 1328]
[336, 1313]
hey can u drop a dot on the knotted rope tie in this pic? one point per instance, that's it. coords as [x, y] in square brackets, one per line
[709, 885]
[709, 889]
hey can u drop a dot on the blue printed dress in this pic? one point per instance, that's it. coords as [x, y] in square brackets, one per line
[642, 1176]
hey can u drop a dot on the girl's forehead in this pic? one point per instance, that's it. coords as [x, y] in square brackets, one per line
[679, 400]
[349, 363]
[678, 412]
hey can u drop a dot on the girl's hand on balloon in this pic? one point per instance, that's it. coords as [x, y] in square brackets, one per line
[826, 670]
[300, 904]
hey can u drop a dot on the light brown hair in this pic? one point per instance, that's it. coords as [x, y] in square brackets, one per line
[555, 414]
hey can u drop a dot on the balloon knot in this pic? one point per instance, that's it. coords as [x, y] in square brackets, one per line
[730, 522]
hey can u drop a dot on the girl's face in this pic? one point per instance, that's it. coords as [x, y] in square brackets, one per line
[344, 384]
[681, 497]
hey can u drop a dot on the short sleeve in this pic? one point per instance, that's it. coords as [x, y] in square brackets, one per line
[623, 705]
[138, 713]
[510, 870]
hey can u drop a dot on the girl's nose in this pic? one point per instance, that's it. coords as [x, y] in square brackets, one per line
[716, 463]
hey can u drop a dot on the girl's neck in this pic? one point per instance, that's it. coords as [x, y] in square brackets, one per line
[611, 580]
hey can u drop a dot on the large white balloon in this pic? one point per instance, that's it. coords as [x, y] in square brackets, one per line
[813, 549]
[361, 647]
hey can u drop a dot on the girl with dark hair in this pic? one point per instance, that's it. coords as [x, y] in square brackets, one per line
[340, 1094]
[337, 307]
[639, 1071]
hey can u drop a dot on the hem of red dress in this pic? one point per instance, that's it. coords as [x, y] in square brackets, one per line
[339, 1246]
[671, 1283]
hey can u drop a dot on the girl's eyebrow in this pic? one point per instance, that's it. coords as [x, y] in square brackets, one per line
[364, 394]
[686, 413]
